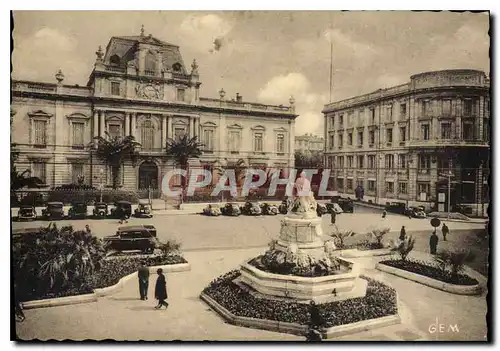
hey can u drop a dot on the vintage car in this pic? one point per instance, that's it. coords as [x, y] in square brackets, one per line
[143, 210]
[77, 210]
[100, 210]
[148, 227]
[251, 209]
[231, 209]
[132, 238]
[321, 209]
[212, 210]
[416, 212]
[396, 207]
[333, 207]
[26, 213]
[283, 207]
[123, 209]
[269, 209]
[53, 210]
[347, 205]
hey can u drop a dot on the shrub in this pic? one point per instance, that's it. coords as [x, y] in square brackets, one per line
[405, 247]
[67, 196]
[454, 260]
[340, 237]
[379, 234]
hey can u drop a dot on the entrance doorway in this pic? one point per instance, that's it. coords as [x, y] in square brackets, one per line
[148, 176]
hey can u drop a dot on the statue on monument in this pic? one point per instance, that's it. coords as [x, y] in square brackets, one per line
[304, 201]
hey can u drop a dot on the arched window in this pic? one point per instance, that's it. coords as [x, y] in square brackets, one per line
[147, 135]
[114, 60]
[177, 67]
[150, 64]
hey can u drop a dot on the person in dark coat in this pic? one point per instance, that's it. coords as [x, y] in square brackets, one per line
[384, 214]
[316, 321]
[402, 234]
[334, 216]
[445, 230]
[143, 275]
[433, 242]
[161, 289]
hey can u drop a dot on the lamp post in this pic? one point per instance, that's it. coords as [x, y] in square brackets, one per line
[101, 173]
[222, 93]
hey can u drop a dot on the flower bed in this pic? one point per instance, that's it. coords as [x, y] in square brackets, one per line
[379, 301]
[429, 270]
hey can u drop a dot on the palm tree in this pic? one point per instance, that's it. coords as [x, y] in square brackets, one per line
[182, 150]
[379, 234]
[404, 248]
[115, 151]
[455, 260]
[19, 180]
[340, 236]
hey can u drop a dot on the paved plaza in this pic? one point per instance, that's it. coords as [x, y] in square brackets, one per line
[214, 246]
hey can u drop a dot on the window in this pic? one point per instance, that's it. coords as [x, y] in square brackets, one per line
[371, 185]
[424, 188]
[258, 142]
[389, 187]
[76, 172]
[402, 161]
[424, 162]
[149, 64]
[349, 139]
[446, 107]
[371, 161]
[341, 162]
[147, 135]
[78, 133]
[486, 129]
[331, 162]
[115, 130]
[40, 133]
[389, 113]
[349, 184]
[179, 132]
[114, 60]
[446, 130]
[426, 108]
[350, 161]
[361, 159]
[468, 130]
[234, 141]
[402, 133]
[467, 108]
[39, 170]
[115, 88]
[350, 119]
[402, 110]
[425, 131]
[341, 121]
[180, 94]
[371, 137]
[332, 122]
[372, 115]
[208, 139]
[331, 140]
[403, 188]
[389, 162]
[280, 143]
[388, 133]
[341, 141]
[360, 138]
[444, 164]
[340, 183]
[360, 182]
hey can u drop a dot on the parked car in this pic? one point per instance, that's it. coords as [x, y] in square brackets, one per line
[148, 227]
[333, 207]
[396, 207]
[347, 205]
[212, 210]
[143, 210]
[463, 209]
[123, 209]
[53, 211]
[321, 209]
[416, 212]
[283, 207]
[100, 210]
[231, 209]
[77, 210]
[132, 238]
[26, 213]
[269, 209]
[251, 209]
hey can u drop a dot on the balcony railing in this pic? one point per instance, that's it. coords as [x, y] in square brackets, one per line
[149, 72]
[116, 69]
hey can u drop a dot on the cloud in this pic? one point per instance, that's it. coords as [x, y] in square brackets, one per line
[44, 53]
[308, 104]
[205, 32]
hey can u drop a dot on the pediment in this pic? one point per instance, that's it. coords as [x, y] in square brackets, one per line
[259, 127]
[209, 124]
[235, 126]
[280, 129]
[40, 114]
[114, 118]
[78, 115]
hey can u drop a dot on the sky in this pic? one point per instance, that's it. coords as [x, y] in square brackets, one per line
[265, 56]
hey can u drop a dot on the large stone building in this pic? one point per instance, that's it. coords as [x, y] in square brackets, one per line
[400, 143]
[140, 86]
[309, 142]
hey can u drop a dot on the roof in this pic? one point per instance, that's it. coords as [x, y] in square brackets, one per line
[145, 39]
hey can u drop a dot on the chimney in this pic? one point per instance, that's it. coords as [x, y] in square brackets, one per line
[239, 98]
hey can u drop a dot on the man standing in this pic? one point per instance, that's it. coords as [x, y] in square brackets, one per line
[161, 289]
[334, 216]
[445, 230]
[433, 241]
[402, 234]
[143, 275]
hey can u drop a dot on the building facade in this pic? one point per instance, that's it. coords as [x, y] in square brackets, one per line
[404, 143]
[140, 86]
[309, 142]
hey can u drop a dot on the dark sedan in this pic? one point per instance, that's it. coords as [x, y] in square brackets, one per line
[26, 213]
[132, 238]
[78, 210]
[251, 209]
[269, 209]
[231, 209]
[53, 210]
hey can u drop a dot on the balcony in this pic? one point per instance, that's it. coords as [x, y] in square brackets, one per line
[149, 72]
[389, 144]
[116, 69]
[402, 143]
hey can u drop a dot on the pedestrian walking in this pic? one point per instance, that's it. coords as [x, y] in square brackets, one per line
[402, 234]
[333, 216]
[433, 242]
[143, 275]
[87, 229]
[384, 214]
[161, 289]
[445, 230]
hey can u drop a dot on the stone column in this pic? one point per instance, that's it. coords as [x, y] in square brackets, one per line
[96, 123]
[164, 132]
[127, 123]
[134, 124]
[169, 127]
[102, 116]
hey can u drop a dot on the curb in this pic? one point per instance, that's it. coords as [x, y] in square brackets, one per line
[433, 283]
[353, 253]
[100, 292]
[298, 329]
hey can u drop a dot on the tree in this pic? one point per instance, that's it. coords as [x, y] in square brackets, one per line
[379, 234]
[182, 150]
[405, 247]
[340, 237]
[308, 159]
[454, 260]
[115, 151]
